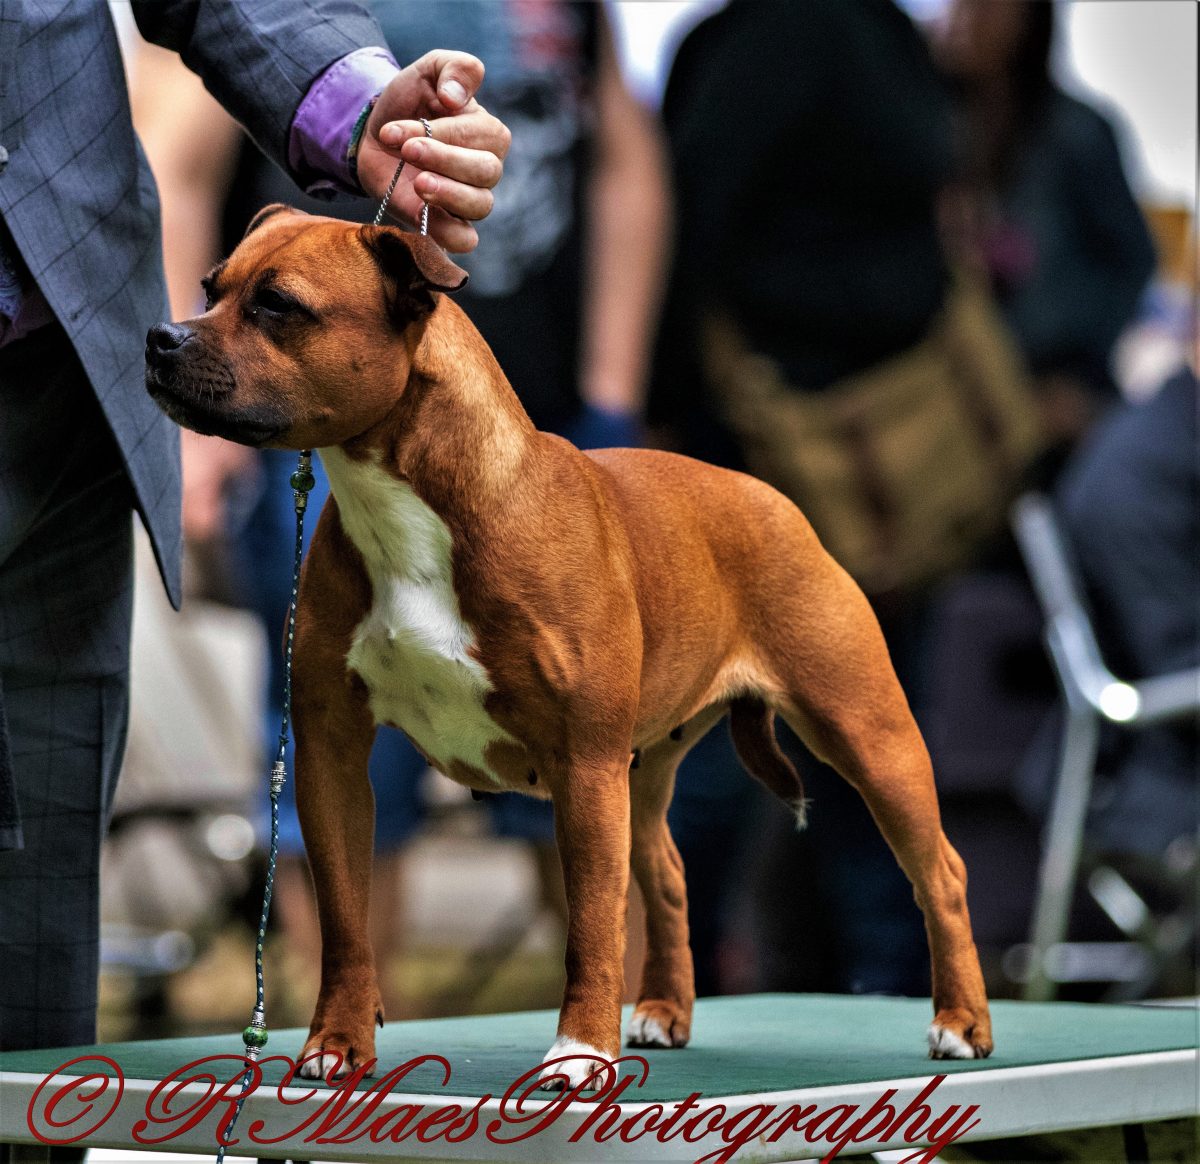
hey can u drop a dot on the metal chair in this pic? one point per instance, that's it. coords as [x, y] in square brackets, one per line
[1092, 695]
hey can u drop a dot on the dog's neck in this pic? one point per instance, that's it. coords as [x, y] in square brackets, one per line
[457, 430]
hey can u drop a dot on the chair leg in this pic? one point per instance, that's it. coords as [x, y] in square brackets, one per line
[1136, 1149]
[1062, 844]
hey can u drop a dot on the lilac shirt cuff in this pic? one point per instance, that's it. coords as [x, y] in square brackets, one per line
[326, 118]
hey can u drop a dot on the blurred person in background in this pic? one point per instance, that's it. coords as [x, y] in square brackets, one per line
[1041, 209]
[817, 234]
[80, 282]
[1130, 505]
[564, 286]
[1043, 206]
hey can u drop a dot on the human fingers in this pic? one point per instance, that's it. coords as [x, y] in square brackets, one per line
[441, 82]
[453, 76]
[449, 229]
[456, 198]
[451, 233]
[472, 129]
[471, 167]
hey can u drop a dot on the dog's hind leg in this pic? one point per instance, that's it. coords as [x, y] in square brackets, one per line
[663, 1016]
[840, 694]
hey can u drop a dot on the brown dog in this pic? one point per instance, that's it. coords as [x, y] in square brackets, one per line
[536, 618]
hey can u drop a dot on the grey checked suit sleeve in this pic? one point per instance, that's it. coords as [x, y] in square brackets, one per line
[259, 57]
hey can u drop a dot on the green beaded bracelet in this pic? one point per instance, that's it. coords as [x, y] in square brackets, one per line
[360, 127]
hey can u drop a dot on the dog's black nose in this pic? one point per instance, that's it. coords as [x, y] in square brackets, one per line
[166, 337]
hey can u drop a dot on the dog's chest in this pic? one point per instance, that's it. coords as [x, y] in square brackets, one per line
[412, 649]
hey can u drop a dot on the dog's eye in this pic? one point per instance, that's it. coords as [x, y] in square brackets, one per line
[274, 302]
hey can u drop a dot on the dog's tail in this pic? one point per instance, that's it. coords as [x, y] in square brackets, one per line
[752, 725]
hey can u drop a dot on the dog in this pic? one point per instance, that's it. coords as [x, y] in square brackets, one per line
[539, 619]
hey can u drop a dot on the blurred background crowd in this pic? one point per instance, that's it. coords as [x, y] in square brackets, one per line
[906, 262]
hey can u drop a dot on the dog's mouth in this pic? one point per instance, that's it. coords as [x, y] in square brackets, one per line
[201, 403]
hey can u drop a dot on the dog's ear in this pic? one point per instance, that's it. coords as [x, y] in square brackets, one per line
[438, 271]
[413, 263]
[269, 212]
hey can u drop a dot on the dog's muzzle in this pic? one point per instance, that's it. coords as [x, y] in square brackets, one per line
[172, 357]
[194, 388]
[165, 339]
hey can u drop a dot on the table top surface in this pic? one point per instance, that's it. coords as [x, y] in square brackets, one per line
[740, 1045]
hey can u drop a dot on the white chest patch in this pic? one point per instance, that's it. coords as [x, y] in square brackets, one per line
[412, 649]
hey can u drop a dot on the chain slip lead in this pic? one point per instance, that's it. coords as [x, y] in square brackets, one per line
[392, 186]
[255, 1035]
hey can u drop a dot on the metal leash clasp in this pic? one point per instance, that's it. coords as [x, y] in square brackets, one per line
[424, 224]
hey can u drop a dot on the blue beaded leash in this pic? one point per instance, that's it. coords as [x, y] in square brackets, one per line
[254, 1037]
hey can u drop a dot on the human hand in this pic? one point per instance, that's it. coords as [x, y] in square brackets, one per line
[452, 172]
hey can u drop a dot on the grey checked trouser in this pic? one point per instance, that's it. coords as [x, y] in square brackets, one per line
[65, 604]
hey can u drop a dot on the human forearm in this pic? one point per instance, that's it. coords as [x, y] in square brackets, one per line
[628, 231]
[191, 144]
[258, 57]
[192, 147]
[298, 75]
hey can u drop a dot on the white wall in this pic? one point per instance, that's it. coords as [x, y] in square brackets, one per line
[1137, 59]
[1139, 56]
[647, 33]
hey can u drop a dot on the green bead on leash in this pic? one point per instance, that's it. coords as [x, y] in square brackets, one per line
[302, 480]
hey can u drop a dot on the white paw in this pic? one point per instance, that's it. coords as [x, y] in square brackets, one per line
[646, 1031]
[591, 1065]
[944, 1044]
[320, 1066]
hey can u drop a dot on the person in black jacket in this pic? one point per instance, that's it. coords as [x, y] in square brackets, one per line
[807, 212]
[1043, 205]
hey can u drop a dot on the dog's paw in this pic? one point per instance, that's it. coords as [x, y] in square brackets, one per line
[955, 1034]
[341, 1038]
[657, 1023]
[317, 1063]
[579, 1064]
[335, 1052]
[330, 1056]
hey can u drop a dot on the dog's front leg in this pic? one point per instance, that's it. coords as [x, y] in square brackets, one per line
[334, 734]
[337, 817]
[591, 818]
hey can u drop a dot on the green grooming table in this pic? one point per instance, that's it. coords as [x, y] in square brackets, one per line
[1057, 1066]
